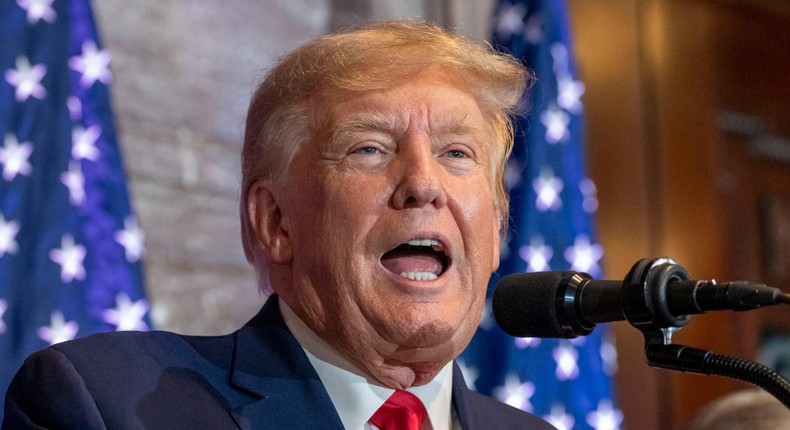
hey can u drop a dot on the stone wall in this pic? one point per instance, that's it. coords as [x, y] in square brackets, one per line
[183, 74]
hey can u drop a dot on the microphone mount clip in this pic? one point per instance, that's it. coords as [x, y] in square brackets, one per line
[645, 306]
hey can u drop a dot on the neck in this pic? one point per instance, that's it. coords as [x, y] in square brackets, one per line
[394, 367]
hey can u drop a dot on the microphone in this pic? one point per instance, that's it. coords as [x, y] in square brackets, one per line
[569, 304]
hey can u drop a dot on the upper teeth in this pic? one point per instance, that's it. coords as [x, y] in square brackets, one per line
[423, 242]
[419, 276]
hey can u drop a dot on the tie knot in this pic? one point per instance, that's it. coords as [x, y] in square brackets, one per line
[402, 411]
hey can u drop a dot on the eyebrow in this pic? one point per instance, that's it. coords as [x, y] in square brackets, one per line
[361, 122]
[379, 121]
[456, 125]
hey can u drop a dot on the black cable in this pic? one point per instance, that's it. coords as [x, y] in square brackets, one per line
[749, 371]
[687, 359]
[784, 298]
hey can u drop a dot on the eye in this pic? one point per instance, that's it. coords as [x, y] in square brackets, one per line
[459, 152]
[459, 158]
[366, 150]
[456, 153]
[367, 156]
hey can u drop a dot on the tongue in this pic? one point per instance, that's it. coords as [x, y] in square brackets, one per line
[403, 262]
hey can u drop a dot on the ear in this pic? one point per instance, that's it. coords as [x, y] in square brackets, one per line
[268, 223]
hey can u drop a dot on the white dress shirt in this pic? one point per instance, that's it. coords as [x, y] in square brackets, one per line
[357, 397]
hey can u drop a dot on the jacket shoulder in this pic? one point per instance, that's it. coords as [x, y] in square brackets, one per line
[142, 349]
[121, 380]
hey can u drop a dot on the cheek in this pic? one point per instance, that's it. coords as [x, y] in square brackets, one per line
[480, 228]
[347, 215]
[339, 215]
[485, 211]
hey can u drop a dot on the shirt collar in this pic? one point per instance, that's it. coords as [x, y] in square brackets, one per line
[355, 396]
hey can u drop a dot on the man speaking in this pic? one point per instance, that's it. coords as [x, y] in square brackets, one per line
[372, 205]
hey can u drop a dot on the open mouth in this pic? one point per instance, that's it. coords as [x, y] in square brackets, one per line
[418, 259]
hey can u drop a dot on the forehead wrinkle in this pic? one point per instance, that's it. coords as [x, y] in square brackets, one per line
[442, 122]
[361, 122]
[454, 122]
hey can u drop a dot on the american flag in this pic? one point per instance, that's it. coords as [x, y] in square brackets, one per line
[567, 382]
[70, 246]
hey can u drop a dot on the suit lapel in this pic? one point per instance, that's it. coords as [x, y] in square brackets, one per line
[269, 363]
[462, 402]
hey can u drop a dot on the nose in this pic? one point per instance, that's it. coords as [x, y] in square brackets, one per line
[420, 178]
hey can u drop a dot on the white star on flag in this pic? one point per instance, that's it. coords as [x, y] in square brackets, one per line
[578, 342]
[37, 10]
[556, 122]
[537, 255]
[559, 418]
[3, 307]
[75, 182]
[8, 231]
[566, 357]
[605, 417]
[510, 20]
[487, 320]
[131, 238]
[533, 30]
[569, 90]
[74, 105]
[92, 64]
[59, 329]
[83, 143]
[526, 342]
[126, 315]
[27, 79]
[569, 94]
[590, 193]
[559, 56]
[14, 158]
[69, 256]
[515, 393]
[609, 357]
[548, 188]
[584, 256]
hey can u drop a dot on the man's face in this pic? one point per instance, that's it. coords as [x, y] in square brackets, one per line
[392, 222]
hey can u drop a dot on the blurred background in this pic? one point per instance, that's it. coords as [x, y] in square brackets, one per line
[687, 139]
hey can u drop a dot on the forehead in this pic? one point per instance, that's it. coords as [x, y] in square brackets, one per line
[426, 101]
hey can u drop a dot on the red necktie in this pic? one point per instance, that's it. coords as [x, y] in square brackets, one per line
[402, 411]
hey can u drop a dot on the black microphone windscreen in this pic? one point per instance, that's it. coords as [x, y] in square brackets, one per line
[524, 304]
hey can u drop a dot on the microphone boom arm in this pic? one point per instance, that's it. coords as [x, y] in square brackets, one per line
[645, 306]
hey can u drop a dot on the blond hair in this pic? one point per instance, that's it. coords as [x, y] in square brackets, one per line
[377, 56]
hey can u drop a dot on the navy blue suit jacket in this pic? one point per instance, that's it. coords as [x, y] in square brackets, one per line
[255, 378]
